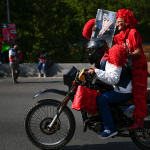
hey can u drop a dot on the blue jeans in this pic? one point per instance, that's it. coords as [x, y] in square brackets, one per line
[103, 100]
[41, 64]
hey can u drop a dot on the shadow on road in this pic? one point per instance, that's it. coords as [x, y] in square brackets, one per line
[108, 146]
[42, 82]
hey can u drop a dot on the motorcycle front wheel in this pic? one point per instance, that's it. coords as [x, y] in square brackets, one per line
[40, 116]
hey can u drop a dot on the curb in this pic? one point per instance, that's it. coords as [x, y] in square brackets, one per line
[57, 69]
[31, 69]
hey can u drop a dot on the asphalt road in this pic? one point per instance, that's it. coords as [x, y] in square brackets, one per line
[16, 100]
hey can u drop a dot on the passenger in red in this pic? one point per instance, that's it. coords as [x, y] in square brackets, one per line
[130, 38]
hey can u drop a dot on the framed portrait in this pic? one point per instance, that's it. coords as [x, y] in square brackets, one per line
[105, 24]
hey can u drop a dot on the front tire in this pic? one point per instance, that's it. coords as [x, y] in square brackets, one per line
[40, 116]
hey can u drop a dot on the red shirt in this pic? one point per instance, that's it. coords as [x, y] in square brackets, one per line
[131, 42]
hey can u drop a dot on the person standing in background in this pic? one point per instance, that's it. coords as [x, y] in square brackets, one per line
[14, 63]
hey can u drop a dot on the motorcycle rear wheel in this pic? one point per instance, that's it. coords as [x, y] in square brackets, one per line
[40, 116]
[142, 142]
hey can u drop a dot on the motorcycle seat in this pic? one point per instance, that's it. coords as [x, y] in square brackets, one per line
[126, 103]
[148, 94]
[130, 101]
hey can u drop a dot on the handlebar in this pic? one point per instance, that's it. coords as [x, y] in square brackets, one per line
[88, 77]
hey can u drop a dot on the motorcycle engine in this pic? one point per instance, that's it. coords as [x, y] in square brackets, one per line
[98, 127]
[96, 123]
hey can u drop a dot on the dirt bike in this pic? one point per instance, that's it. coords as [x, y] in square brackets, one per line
[50, 124]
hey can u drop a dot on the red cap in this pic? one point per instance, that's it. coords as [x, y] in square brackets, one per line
[128, 17]
[117, 55]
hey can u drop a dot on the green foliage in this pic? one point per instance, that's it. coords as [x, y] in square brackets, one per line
[55, 26]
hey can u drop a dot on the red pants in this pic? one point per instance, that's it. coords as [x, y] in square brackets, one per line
[139, 89]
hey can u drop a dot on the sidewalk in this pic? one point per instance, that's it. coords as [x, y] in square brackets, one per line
[31, 69]
[57, 69]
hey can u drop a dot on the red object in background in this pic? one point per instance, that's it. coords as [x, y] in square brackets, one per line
[20, 55]
[0, 43]
[0, 39]
[9, 33]
[85, 100]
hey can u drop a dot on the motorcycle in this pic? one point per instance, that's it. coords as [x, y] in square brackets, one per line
[50, 124]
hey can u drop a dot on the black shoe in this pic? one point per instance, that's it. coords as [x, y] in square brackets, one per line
[16, 82]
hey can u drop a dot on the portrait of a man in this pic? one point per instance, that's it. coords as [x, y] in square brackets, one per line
[104, 25]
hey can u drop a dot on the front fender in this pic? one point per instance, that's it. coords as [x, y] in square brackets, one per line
[48, 90]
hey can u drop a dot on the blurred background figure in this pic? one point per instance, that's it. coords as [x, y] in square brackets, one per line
[42, 57]
[14, 63]
[20, 57]
[0, 49]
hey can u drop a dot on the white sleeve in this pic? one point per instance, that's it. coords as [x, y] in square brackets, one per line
[10, 53]
[110, 76]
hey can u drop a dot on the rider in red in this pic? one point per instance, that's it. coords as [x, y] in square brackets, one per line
[130, 38]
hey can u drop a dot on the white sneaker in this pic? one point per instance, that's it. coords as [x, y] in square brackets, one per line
[39, 74]
[44, 75]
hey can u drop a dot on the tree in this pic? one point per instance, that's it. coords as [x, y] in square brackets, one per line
[56, 26]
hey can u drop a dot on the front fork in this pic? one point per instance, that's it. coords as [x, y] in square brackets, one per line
[61, 107]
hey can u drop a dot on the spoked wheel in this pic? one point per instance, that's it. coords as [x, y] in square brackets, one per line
[142, 139]
[40, 116]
